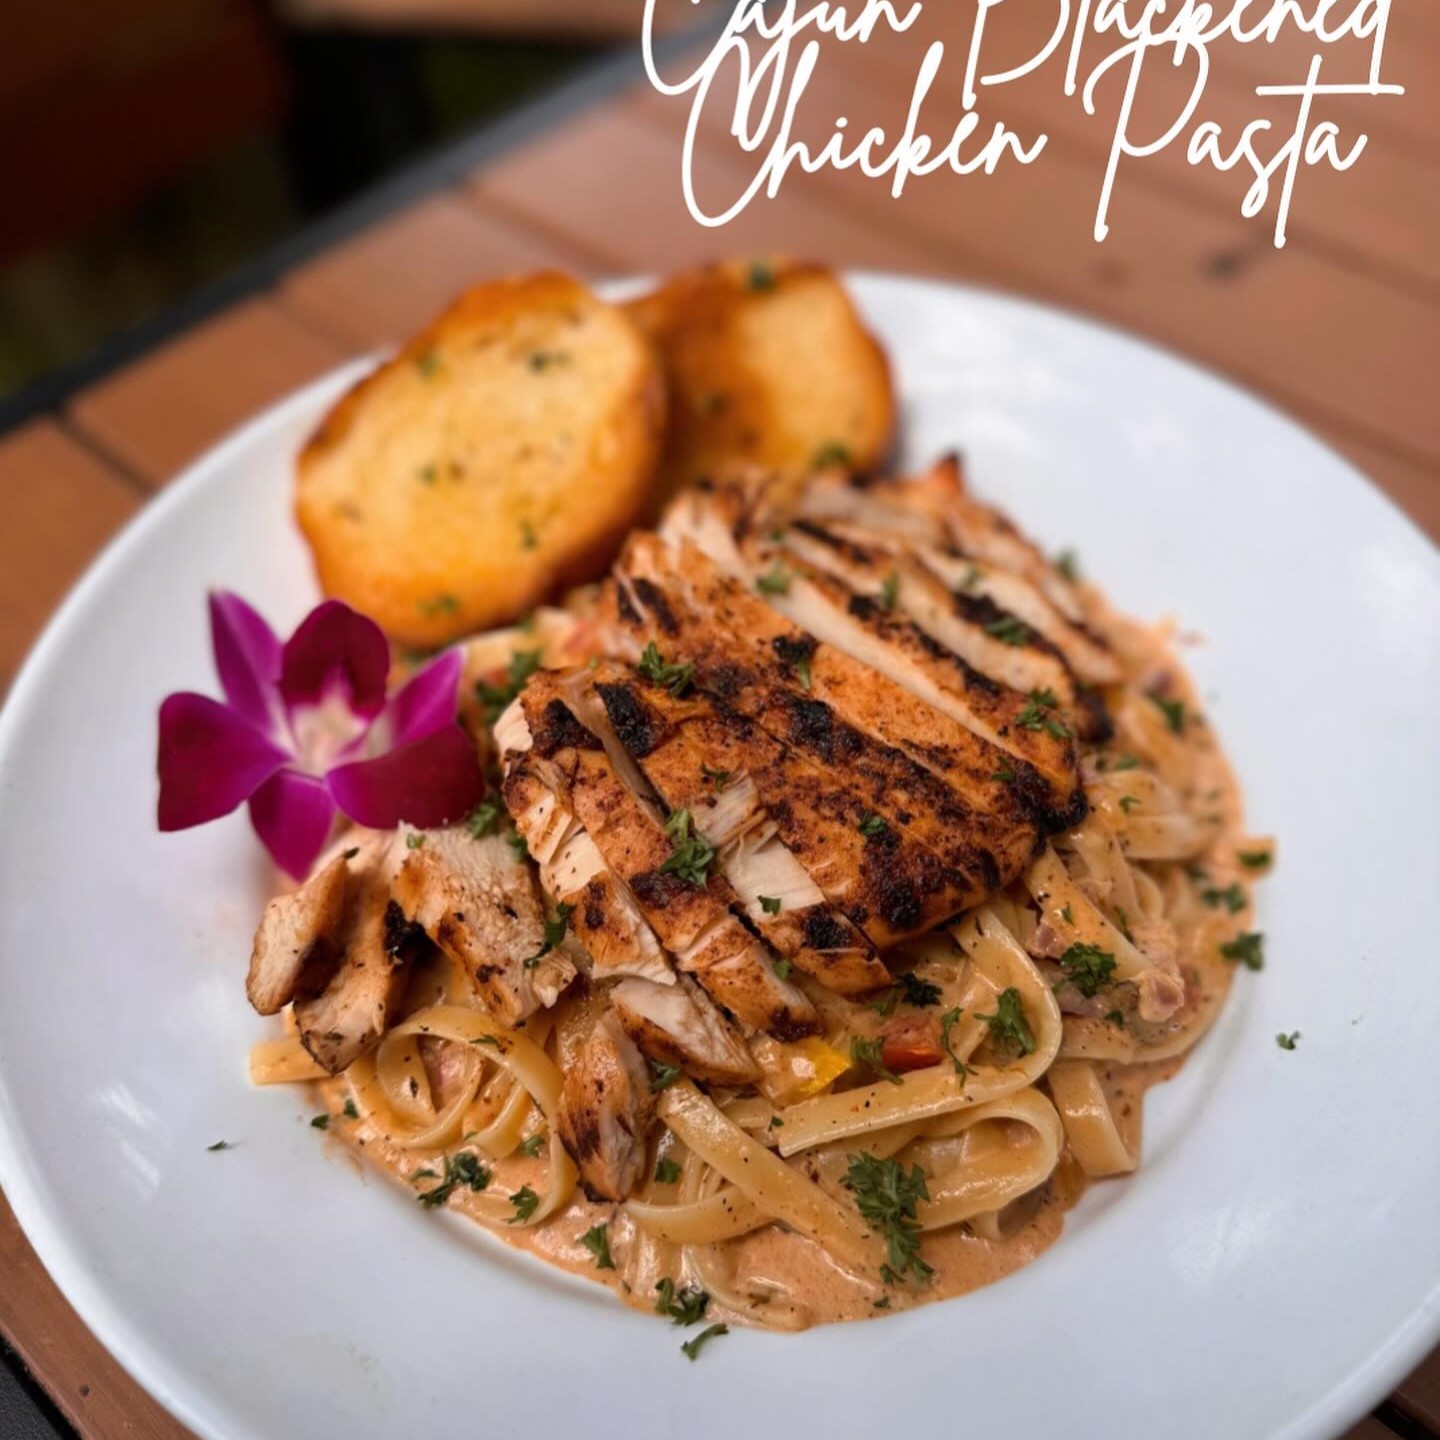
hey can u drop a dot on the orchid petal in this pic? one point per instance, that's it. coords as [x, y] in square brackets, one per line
[426, 703]
[247, 656]
[209, 759]
[292, 814]
[336, 651]
[428, 782]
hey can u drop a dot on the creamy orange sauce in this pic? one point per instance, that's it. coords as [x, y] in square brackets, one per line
[774, 1277]
[770, 1262]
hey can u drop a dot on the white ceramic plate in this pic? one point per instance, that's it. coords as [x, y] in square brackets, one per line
[1271, 1271]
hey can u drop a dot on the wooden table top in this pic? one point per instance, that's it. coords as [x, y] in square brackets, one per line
[1339, 329]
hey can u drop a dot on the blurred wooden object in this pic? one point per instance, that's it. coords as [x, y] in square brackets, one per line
[568, 19]
[103, 101]
[1341, 329]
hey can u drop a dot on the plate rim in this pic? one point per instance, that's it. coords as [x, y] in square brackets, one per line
[197, 1405]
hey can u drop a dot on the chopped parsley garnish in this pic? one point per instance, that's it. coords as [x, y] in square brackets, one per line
[675, 678]
[349, 1111]
[662, 1077]
[918, 992]
[415, 840]
[1088, 968]
[1004, 774]
[532, 1147]
[218, 1145]
[597, 1241]
[770, 904]
[1035, 717]
[1046, 697]
[516, 841]
[1123, 920]
[1067, 562]
[872, 825]
[890, 590]
[1128, 803]
[544, 359]
[463, 1171]
[427, 364]
[1232, 897]
[1116, 1017]
[783, 967]
[691, 854]
[686, 1306]
[428, 474]
[775, 581]
[320, 1122]
[1173, 711]
[484, 819]
[718, 778]
[526, 1203]
[870, 1053]
[760, 276]
[1067, 914]
[948, 1021]
[1124, 762]
[970, 579]
[522, 665]
[1254, 859]
[529, 540]
[1247, 949]
[440, 605]
[1288, 1042]
[555, 930]
[830, 454]
[1008, 1024]
[667, 1172]
[887, 1198]
[1009, 631]
[692, 1348]
[776, 1123]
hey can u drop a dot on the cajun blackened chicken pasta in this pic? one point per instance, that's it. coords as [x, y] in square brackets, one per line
[849, 871]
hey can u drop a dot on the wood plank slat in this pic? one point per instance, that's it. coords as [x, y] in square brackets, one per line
[1419, 1396]
[1385, 211]
[58, 505]
[159, 413]
[1334, 344]
[384, 284]
[613, 183]
[88, 1385]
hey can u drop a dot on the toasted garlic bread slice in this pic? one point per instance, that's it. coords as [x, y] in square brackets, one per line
[768, 364]
[502, 454]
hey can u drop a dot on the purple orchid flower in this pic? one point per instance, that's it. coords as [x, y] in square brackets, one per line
[305, 730]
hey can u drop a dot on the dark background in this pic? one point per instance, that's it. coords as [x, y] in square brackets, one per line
[147, 146]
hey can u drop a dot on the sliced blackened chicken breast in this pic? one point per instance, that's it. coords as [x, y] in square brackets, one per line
[479, 903]
[996, 707]
[682, 746]
[679, 1025]
[688, 907]
[377, 945]
[895, 597]
[606, 1105]
[938, 504]
[870, 869]
[297, 947]
[603, 914]
[682, 599]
